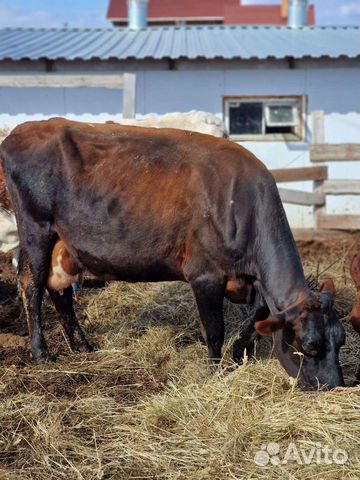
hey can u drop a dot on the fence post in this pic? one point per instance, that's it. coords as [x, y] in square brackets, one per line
[129, 97]
[318, 132]
[318, 137]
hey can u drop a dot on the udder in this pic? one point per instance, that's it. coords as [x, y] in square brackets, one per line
[64, 270]
[239, 290]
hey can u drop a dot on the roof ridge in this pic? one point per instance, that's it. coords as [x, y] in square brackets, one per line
[188, 27]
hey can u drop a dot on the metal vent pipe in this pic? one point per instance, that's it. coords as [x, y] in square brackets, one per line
[298, 13]
[137, 14]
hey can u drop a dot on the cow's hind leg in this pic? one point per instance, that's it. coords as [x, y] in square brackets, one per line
[64, 305]
[209, 295]
[33, 271]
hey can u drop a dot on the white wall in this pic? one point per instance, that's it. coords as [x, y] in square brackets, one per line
[331, 85]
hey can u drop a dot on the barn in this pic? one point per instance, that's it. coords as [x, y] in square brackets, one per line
[270, 84]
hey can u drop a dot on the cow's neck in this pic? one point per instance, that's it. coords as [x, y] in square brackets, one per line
[281, 278]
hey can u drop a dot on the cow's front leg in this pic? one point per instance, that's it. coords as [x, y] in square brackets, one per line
[357, 377]
[245, 343]
[248, 336]
[209, 295]
[64, 305]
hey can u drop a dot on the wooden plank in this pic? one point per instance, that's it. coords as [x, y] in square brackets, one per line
[342, 187]
[318, 131]
[297, 197]
[51, 80]
[342, 152]
[300, 174]
[129, 99]
[319, 210]
[339, 222]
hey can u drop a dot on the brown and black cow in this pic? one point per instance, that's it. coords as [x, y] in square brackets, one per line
[355, 274]
[138, 204]
[355, 312]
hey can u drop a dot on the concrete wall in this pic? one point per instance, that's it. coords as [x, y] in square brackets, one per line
[330, 85]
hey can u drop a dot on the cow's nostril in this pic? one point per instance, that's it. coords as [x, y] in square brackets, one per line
[310, 349]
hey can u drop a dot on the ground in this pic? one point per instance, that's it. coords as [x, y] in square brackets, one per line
[145, 405]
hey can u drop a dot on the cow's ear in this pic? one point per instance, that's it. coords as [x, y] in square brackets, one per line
[270, 325]
[355, 270]
[327, 291]
[328, 286]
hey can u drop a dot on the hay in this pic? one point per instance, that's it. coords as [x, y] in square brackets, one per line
[146, 406]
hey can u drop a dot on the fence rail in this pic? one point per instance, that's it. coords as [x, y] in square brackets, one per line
[126, 82]
[322, 185]
[341, 187]
[336, 153]
[300, 174]
[297, 197]
[343, 152]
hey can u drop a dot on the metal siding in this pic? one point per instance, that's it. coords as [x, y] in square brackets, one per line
[180, 42]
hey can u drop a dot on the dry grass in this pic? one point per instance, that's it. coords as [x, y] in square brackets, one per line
[145, 406]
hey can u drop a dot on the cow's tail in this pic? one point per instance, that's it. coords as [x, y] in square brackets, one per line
[5, 200]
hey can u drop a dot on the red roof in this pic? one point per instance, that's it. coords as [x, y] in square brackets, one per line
[172, 9]
[226, 11]
[260, 15]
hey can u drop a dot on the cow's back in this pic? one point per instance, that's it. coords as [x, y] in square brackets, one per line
[115, 158]
[154, 197]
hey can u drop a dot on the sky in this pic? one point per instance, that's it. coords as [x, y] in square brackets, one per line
[92, 13]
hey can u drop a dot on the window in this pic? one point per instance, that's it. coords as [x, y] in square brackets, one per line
[264, 118]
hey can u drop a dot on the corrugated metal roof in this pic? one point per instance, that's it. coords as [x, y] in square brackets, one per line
[217, 41]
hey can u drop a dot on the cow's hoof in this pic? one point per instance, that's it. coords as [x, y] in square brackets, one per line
[43, 357]
[87, 348]
[242, 350]
[83, 347]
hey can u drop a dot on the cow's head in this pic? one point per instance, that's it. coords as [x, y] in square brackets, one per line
[355, 274]
[308, 338]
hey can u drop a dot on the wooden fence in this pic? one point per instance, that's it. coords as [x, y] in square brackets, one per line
[323, 186]
[125, 82]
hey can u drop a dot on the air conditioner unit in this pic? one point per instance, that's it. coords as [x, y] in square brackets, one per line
[281, 114]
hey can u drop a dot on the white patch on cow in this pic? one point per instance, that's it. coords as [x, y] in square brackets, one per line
[59, 279]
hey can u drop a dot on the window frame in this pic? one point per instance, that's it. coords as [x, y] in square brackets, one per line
[300, 100]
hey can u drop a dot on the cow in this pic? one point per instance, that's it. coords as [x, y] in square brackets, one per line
[355, 274]
[355, 312]
[197, 121]
[144, 205]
